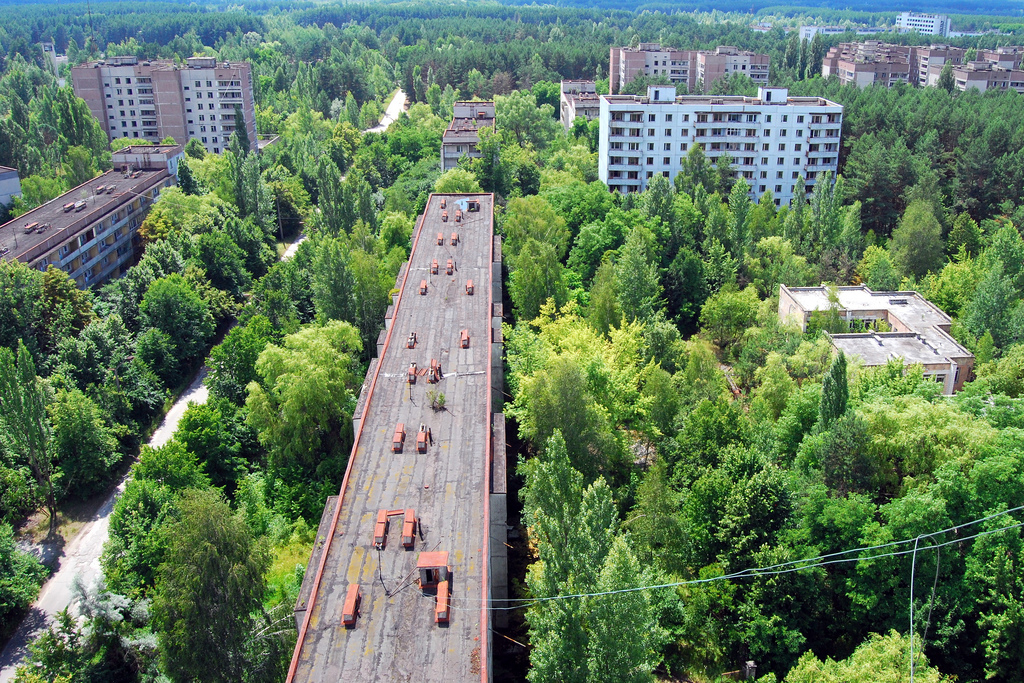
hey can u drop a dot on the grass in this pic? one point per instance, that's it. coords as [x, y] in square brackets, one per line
[283, 581]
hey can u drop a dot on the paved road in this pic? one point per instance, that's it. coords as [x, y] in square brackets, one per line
[395, 108]
[81, 556]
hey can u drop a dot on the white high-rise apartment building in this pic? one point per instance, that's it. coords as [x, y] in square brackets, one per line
[925, 24]
[774, 139]
[152, 100]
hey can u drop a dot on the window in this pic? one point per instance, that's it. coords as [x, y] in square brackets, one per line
[199, 84]
[651, 117]
[650, 146]
[781, 161]
[199, 95]
[764, 161]
[800, 119]
[209, 84]
[202, 117]
[204, 141]
[782, 147]
[118, 91]
[668, 118]
[213, 129]
[668, 132]
[650, 131]
[117, 80]
[767, 133]
[682, 146]
[215, 139]
[782, 132]
[778, 175]
[120, 103]
[200, 105]
[209, 95]
[122, 112]
[778, 189]
[764, 174]
[785, 118]
[768, 119]
[796, 174]
[129, 91]
[650, 161]
[668, 146]
[797, 147]
[799, 132]
[666, 161]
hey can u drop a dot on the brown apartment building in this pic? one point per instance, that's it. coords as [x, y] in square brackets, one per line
[152, 100]
[462, 136]
[686, 67]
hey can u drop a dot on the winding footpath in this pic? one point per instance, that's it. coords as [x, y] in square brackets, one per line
[81, 556]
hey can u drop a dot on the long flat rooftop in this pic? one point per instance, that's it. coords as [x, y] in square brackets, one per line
[395, 637]
[61, 225]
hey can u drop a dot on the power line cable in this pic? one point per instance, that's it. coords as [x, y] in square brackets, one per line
[783, 568]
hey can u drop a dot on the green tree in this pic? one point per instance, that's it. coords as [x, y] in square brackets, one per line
[223, 261]
[456, 181]
[946, 80]
[966, 235]
[538, 277]
[877, 271]
[518, 114]
[194, 149]
[636, 279]
[917, 243]
[302, 409]
[25, 428]
[21, 575]
[172, 306]
[879, 659]
[726, 314]
[834, 393]
[186, 181]
[232, 363]
[207, 592]
[82, 445]
[204, 432]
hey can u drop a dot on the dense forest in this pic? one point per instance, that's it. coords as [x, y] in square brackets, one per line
[683, 457]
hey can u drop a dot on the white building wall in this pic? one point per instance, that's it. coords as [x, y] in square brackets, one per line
[772, 145]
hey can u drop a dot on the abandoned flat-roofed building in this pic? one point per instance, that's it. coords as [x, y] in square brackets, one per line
[578, 98]
[412, 551]
[463, 133]
[91, 231]
[919, 330]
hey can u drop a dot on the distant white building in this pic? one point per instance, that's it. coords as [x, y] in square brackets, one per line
[808, 32]
[925, 24]
[774, 139]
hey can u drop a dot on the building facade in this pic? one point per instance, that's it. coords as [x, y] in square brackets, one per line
[868, 63]
[875, 63]
[91, 231]
[808, 32]
[10, 185]
[578, 98]
[463, 133]
[981, 75]
[773, 139]
[691, 68]
[926, 24]
[887, 326]
[152, 100]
